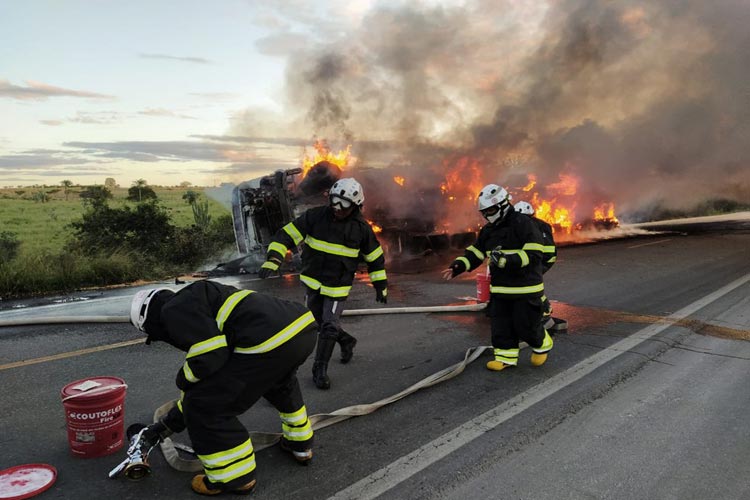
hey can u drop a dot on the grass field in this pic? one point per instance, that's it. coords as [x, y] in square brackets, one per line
[41, 226]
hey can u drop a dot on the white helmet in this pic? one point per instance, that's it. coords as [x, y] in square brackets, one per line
[494, 202]
[139, 306]
[524, 207]
[348, 190]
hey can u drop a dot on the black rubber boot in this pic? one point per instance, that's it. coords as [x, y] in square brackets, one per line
[347, 343]
[320, 365]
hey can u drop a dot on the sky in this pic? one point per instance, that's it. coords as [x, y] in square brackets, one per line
[643, 102]
[128, 90]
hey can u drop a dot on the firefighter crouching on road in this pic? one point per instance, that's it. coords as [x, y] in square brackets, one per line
[514, 245]
[549, 251]
[336, 238]
[241, 345]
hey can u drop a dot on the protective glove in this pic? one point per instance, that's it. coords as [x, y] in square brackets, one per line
[381, 295]
[155, 433]
[454, 270]
[268, 268]
[498, 258]
[264, 272]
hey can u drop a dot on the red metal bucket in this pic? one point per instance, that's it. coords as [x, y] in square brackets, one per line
[95, 415]
[483, 288]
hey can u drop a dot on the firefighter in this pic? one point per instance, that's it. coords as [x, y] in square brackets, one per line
[336, 238]
[549, 255]
[514, 246]
[241, 345]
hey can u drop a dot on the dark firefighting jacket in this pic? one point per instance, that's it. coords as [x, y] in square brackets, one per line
[211, 322]
[521, 243]
[332, 250]
[549, 250]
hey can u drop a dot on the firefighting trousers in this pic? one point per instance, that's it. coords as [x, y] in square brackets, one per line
[513, 320]
[327, 313]
[210, 409]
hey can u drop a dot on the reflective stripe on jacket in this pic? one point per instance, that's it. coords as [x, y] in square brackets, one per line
[210, 321]
[522, 245]
[332, 250]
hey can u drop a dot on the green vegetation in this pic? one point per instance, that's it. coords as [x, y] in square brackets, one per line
[76, 237]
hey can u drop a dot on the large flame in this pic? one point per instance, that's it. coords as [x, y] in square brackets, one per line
[463, 179]
[559, 204]
[341, 159]
[606, 213]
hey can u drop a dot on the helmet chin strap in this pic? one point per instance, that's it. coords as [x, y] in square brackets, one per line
[499, 215]
[493, 218]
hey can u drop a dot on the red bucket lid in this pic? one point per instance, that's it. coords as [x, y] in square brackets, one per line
[96, 386]
[26, 481]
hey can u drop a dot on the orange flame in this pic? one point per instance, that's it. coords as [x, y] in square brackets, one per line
[375, 228]
[556, 216]
[559, 205]
[605, 212]
[558, 210]
[323, 152]
[532, 182]
[399, 180]
[463, 179]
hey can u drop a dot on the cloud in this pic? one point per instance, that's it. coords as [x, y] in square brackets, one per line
[196, 60]
[215, 96]
[42, 91]
[282, 44]
[258, 141]
[96, 118]
[150, 151]
[40, 159]
[51, 123]
[164, 112]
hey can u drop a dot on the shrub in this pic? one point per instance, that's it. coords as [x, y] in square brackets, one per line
[141, 193]
[9, 244]
[144, 229]
[95, 196]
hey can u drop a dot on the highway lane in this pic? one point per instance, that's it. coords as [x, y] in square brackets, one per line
[607, 291]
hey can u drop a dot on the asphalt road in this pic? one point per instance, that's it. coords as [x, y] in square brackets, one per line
[644, 396]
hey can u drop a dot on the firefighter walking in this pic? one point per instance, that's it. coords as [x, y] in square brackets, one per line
[336, 238]
[241, 345]
[514, 245]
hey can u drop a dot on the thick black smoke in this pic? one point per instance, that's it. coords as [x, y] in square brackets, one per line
[647, 102]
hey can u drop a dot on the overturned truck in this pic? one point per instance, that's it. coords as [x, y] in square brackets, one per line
[262, 206]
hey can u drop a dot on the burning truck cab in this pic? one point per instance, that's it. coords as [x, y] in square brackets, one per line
[262, 206]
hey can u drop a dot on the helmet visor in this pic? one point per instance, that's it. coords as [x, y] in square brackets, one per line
[340, 203]
[490, 211]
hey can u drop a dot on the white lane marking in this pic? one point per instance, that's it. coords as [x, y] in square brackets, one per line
[650, 243]
[408, 465]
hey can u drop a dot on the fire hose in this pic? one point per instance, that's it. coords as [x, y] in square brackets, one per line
[56, 320]
[262, 440]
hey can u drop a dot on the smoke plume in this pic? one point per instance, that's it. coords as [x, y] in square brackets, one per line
[647, 102]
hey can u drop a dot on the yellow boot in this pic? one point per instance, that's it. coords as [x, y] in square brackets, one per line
[538, 359]
[496, 366]
[201, 487]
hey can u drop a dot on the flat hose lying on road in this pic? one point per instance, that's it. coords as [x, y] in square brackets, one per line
[262, 440]
[56, 320]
